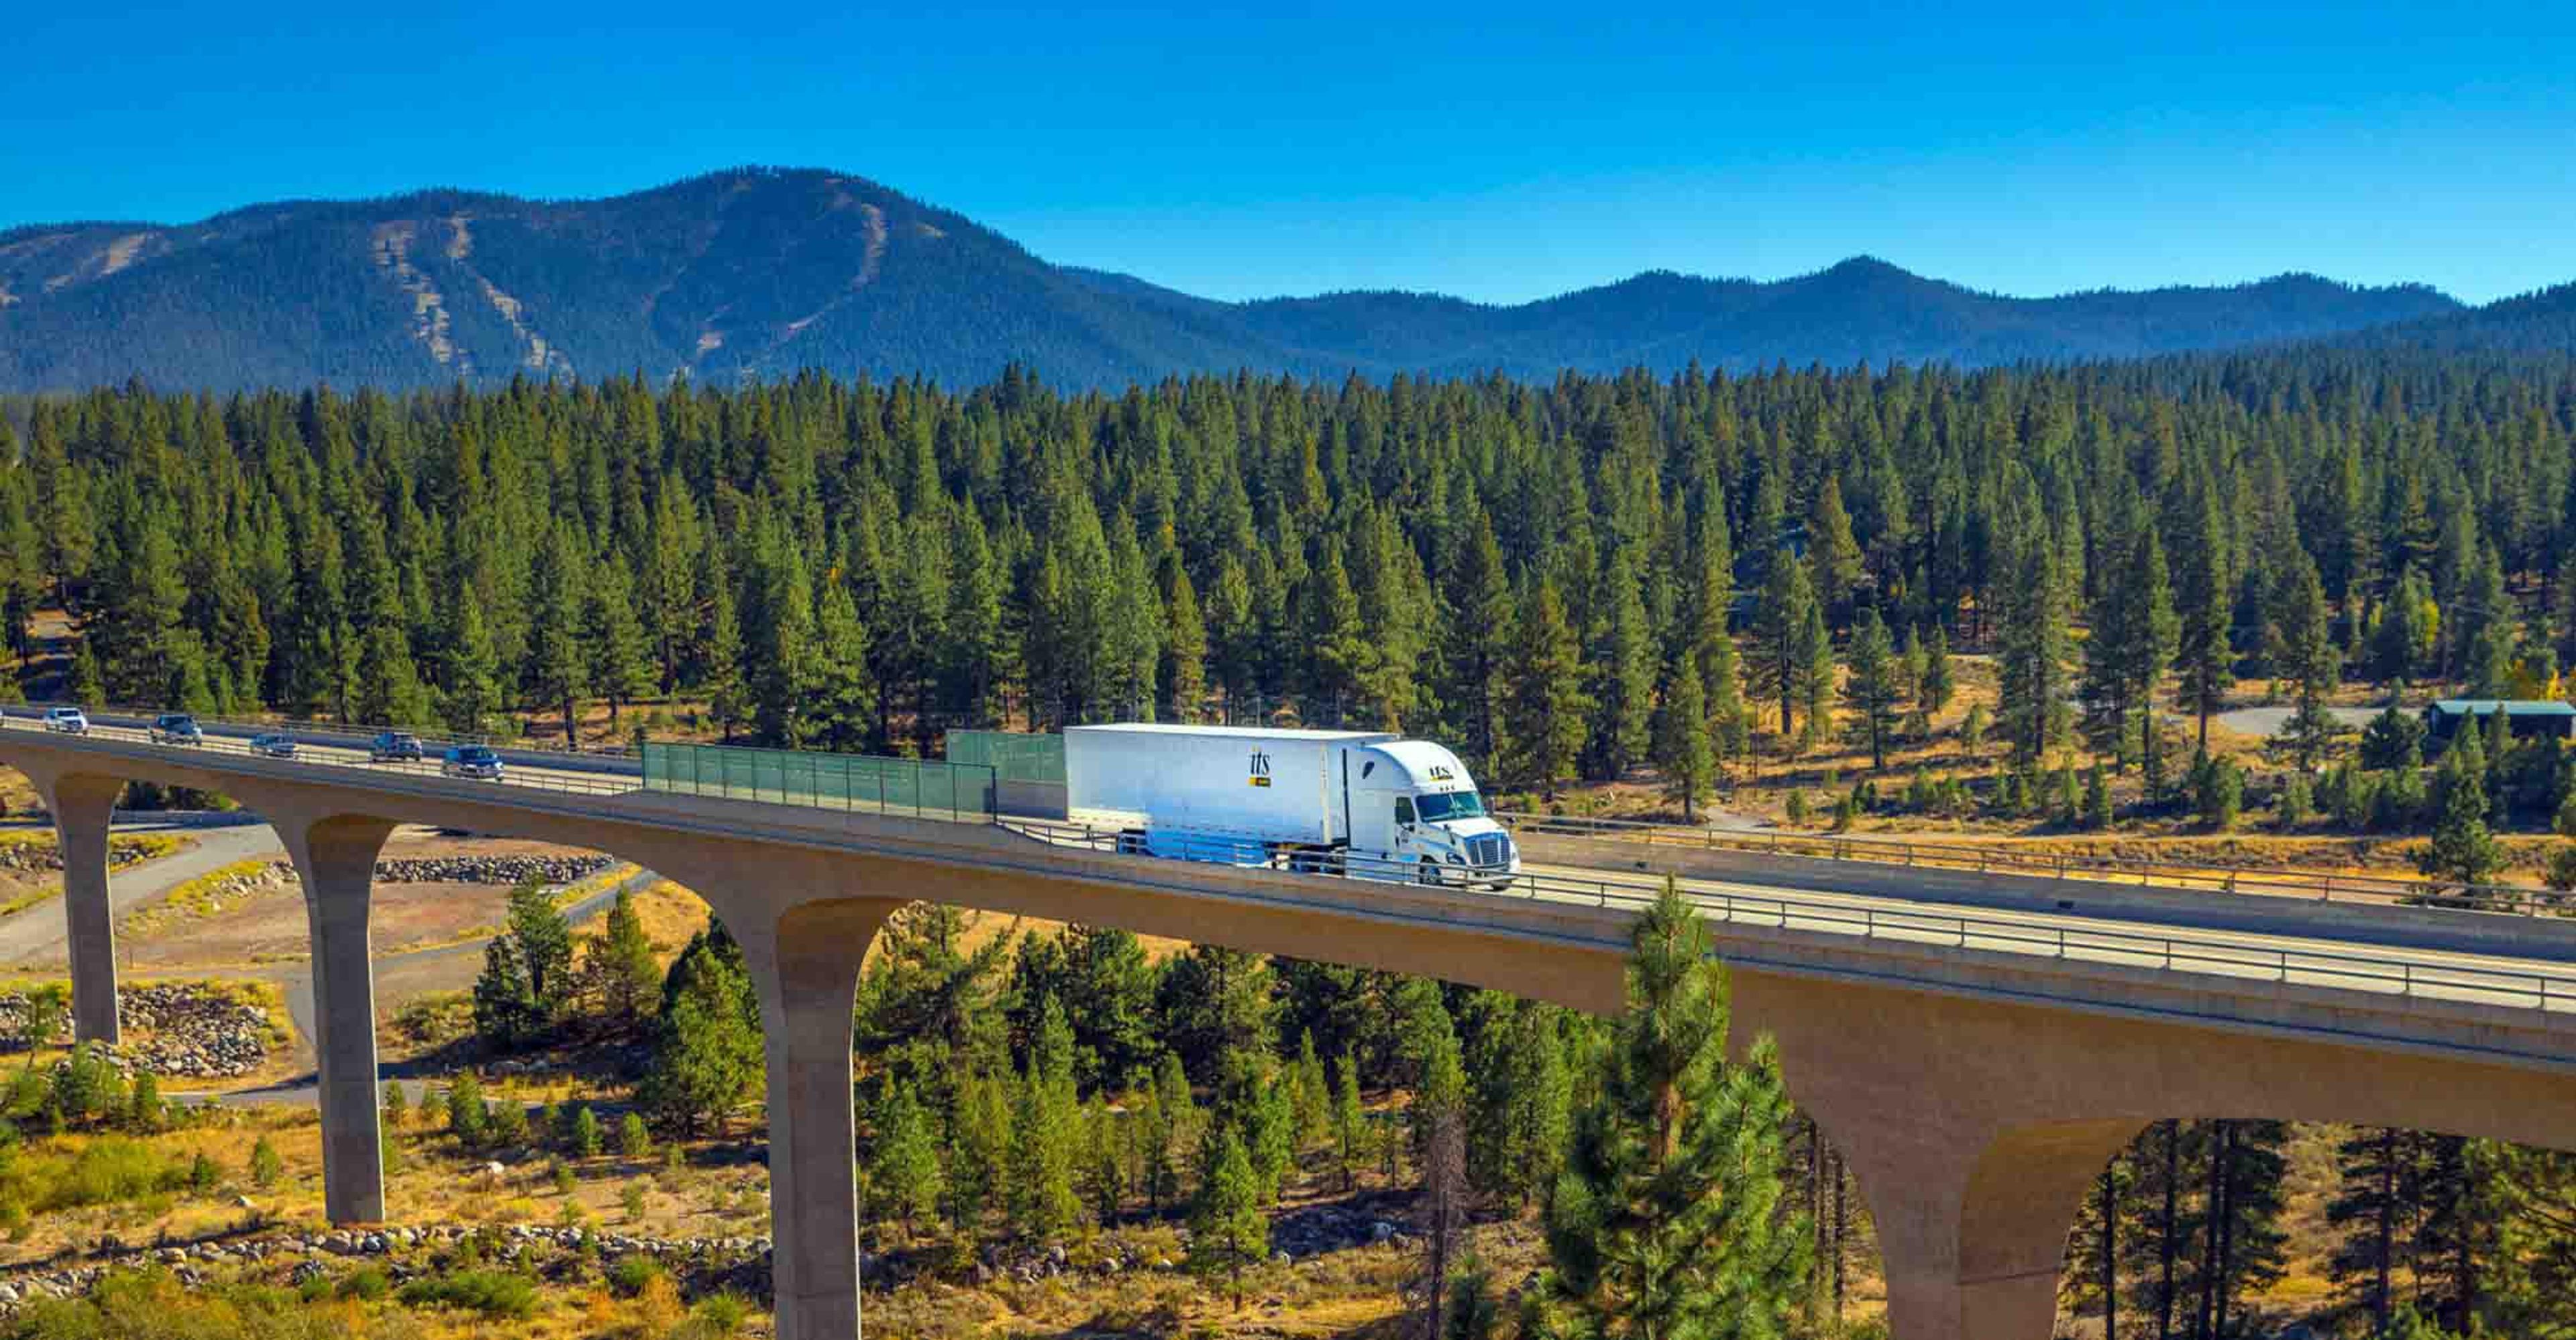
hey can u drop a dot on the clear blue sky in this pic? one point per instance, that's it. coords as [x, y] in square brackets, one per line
[1493, 150]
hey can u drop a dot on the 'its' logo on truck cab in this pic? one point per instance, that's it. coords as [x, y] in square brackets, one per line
[1260, 768]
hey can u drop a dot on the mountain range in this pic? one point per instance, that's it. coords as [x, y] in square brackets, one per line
[762, 272]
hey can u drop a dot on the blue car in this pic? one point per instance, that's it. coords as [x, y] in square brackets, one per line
[474, 761]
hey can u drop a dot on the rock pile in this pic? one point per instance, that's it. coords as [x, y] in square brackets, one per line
[698, 1265]
[512, 870]
[27, 858]
[188, 1031]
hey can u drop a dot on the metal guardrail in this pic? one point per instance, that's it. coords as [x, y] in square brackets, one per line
[2398, 976]
[2319, 886]
[1964, 930]
[233, 738]
[856, 783]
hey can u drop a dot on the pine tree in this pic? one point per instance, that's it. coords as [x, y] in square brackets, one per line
[1227, 1228]
[842, 712]
[979, 1150]
[558, 664]
[2034, 644]
[2310, 660]
[1937, 685]
[1667, 1219]
[1831, 551]
[1623, 685]
[707, 1055]
[905, 1172]
[1783, 631]
[1542, 725]
[1350, 1120]
[620, 964]
[2462, 848]
[621, 665]
[1872, 689]
[1682, 748]
[473, 688]
[2134, 634]
[2204, 656]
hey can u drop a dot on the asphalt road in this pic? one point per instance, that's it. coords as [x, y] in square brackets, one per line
[2431, 973]
[37, 933]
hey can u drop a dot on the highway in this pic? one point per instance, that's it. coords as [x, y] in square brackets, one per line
[2523, 982]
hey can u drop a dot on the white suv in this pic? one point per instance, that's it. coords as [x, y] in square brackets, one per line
[67, 720]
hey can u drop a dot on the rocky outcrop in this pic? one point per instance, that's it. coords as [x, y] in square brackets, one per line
[511, 870]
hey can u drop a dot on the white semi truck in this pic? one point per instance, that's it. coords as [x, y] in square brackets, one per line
[1368, 804]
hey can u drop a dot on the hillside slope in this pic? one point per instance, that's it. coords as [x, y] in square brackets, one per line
[760, 272]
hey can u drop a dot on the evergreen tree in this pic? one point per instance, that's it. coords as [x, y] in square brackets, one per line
[2310, 660]
[2462, 848]
[842, 712]
[1682, 748]
[905, 1173]
[1783, 631]
[621, 665]
[707, 1054]
[1227, 1228]
[2204, 656]
[1542, 722]
[1937, 684]
[2134, 635]
[2034, 643]
[473, 687]
[1668, 1219]
[620, 964]
[1831, 551]
[1623, 684]
[558, 664]
[1872, 689]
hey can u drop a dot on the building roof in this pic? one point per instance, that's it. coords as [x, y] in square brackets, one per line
[2520, 707]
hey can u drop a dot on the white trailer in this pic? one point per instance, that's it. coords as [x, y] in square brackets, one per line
[1365, 803]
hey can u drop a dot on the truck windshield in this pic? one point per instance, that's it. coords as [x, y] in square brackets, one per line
[1450, 805]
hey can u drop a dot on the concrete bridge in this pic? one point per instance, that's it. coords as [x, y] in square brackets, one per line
[1977, 1046]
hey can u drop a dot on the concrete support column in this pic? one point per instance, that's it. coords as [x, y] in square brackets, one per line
[1973, 1230]
[806, 968]
[83, 806]
[335, 858]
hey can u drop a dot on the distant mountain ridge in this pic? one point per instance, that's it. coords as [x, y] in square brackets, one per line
[763, 272]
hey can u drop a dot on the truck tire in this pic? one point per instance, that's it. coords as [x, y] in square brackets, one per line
[1427, 873]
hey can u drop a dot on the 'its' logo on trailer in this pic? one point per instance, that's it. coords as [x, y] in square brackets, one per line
[1260, 768]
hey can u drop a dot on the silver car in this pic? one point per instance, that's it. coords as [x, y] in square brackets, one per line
[67, 720]
[273, 746]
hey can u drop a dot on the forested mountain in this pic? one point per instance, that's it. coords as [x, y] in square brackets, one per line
[764, 272]
[1542, 574]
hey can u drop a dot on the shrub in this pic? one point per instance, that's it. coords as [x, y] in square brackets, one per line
[633, 1140]
[585, 1134]
[109, 1170]
[265, 1165]
[367, 1285]
[2560, 874]
[493, 1293]
[723, 1313]
[632, 1273]
[2217, 792]
[632, 1198]
[2297, 803]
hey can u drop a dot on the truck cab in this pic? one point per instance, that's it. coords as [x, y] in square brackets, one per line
[1415, 813]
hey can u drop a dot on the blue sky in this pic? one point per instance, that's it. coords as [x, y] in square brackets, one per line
[1497, 151]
